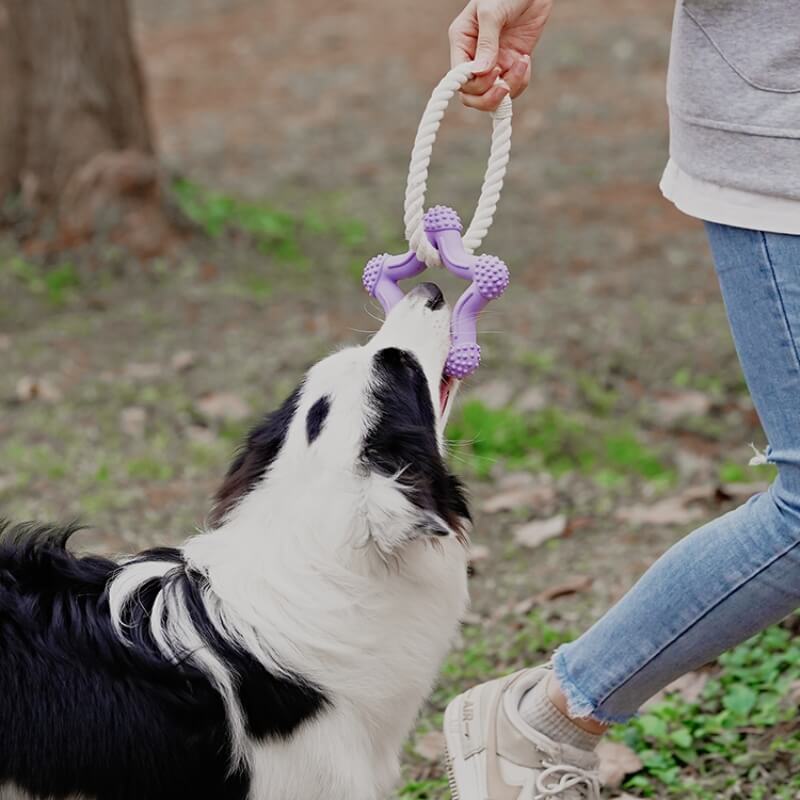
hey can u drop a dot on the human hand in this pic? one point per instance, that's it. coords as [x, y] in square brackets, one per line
[499, 35]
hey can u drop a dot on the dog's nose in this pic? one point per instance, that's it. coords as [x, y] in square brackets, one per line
[432, 292]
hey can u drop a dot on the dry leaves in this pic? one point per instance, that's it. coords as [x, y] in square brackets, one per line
[142, 371]
[571, 585]
[430, 745]
[679, 510]
[689, 686]
[533, 495]
[223, 406]
[494, 394]
[689, 506]
[535, 533]
[29, 388]
[132, 421]
[478, 552]
[616, 762]
[532, 399]
[183, 360]
[673, 407]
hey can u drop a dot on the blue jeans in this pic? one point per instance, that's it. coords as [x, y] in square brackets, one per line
[734, 576]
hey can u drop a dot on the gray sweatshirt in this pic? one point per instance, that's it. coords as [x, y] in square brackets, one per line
[734, 94]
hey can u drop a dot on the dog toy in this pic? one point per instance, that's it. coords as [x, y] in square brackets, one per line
[435, 237]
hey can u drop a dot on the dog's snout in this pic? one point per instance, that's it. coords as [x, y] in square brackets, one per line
[435, 298]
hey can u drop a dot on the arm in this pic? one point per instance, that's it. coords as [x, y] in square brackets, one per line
[499, 35]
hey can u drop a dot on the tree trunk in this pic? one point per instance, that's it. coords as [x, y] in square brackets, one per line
[74, 127]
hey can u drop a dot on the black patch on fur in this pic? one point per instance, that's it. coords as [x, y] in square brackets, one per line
[403, 437]
[316, 417]
[255, 457]
[83, 714]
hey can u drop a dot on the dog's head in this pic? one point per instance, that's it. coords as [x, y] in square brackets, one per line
[361, 439]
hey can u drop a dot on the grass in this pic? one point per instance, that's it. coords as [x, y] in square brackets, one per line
[56, 283]
[555, 441]
[275, 231]
[739, 741]
[738, 738]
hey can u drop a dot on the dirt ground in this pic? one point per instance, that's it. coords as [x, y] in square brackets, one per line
[122, 402]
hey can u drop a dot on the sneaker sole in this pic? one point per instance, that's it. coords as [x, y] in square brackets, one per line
[464, 777]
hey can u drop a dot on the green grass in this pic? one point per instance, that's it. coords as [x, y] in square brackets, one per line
[275, 231]
[555, 441]
[740, 739]
[57, 283]
[734, 472]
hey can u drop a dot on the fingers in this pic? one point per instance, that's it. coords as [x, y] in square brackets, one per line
[489, 100]
[462, 34]
[489, 25]
[518, 75]
[481, 84]
[484, 93]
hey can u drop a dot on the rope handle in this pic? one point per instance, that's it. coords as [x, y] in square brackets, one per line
[417, 183]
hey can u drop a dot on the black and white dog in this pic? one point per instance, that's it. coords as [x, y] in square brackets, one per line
[282, 654]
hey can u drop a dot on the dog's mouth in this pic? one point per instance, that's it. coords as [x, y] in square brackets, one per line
[447, 391]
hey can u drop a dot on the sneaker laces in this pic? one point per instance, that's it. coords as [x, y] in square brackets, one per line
[568, 777]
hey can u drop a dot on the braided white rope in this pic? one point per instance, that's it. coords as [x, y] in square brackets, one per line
[417, 183]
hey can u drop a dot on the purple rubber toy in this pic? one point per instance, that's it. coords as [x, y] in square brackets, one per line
[488, 277]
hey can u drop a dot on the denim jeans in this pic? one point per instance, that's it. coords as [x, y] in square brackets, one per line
[736, 575]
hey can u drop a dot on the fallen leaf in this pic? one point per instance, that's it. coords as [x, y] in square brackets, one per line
[223, 406]
[673, 407]
[524, 607]
[494, 394]
[616, 761]
[514, 480]
[200, 434]
[183, 360]
[142, 371]
[689, 686]
[478, 552]
[132, 420]
[741, 491]
[528, 496]
[571, 585]
[430, 745]
[539, 531]
[29, 388]
[533, 399]
[670, 511]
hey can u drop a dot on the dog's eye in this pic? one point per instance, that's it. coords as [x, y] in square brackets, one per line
[316, 417]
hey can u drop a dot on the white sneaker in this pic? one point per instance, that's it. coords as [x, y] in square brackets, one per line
[493, 754]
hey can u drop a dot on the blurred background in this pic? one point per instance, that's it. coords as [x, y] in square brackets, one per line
[190, 189]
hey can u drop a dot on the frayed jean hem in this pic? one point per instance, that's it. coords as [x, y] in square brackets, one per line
[579, 705]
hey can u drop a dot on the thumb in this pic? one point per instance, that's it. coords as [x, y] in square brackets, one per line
[488, 42]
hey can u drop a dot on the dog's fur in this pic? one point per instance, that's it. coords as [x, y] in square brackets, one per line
[284, 652]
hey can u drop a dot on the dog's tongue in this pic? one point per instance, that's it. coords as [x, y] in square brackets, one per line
[444, 392]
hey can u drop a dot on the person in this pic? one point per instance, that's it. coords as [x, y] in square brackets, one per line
[733, 91]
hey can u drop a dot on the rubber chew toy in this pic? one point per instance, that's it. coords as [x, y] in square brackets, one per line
[436, 237]
[488, 277]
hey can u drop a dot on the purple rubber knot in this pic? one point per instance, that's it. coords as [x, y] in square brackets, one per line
[463, 360]
[491, 276]
[488, 277]
[372, 271]
[441, 218]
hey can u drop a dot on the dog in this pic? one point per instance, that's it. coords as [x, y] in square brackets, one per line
[284, 652]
